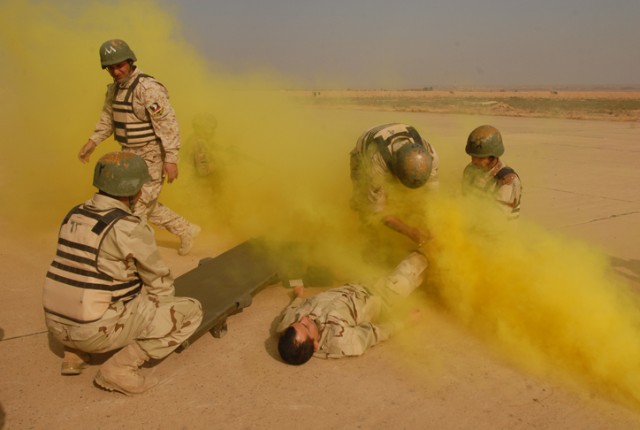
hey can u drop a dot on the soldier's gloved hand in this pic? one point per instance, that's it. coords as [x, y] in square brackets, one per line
[87, 149]
[170, 171]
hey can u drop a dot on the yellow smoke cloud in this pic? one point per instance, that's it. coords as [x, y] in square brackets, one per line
[268, 149]
[548, 302]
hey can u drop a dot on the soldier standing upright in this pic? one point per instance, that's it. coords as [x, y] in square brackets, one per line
[138, 113]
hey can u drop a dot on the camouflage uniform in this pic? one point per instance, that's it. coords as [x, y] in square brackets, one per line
[378, 193]
[101, 299]
[143, 121]
[370, 172]
[349, 318]
[501, 183]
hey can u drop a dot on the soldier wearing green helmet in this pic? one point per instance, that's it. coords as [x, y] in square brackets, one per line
[108, 288]
[391, 164]
[487, 175]
[138, 114]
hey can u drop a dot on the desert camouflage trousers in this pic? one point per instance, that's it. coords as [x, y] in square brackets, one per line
[148, 205]
[159, 324]
[405, 278]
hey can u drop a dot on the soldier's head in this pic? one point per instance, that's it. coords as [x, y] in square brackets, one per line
[117, 58]
[121, 175]
[412, 164]
[299, 341]
[484, 146]
[205, 124]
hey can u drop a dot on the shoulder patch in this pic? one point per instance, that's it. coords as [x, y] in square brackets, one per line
[155, 109]
[508, 178]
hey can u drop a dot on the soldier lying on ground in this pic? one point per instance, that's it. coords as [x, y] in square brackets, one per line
[347, 320]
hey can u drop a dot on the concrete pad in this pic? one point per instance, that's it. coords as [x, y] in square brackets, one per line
[580, 178]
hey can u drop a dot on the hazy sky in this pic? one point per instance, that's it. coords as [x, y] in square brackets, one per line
[418, 43]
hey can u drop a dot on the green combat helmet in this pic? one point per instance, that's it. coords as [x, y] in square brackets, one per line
[412, 165]
[115, 51]
[120, 174]
[485, 141]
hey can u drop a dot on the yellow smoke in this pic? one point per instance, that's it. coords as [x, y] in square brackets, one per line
[548, 302]
[274, 176]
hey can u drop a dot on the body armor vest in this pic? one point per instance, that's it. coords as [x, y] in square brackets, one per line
[74, 287]
[375, 137]
[490, 187]
[128, 129]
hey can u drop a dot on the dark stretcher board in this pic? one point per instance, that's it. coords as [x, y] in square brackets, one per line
[226, 284]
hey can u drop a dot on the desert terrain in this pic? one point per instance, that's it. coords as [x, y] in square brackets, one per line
[579, 164]
[604, 104]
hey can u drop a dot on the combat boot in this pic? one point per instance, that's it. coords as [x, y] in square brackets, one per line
[122, 372]
[74, 362]
[186, 239]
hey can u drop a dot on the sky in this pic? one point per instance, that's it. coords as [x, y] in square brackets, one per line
[419, 43]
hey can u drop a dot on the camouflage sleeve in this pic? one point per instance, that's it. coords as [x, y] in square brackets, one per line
[508, 195]
[104, 127]
[376, 193]
[353, 341]
[155, 98]
[434, 179]
[288, 316]
[132, 243]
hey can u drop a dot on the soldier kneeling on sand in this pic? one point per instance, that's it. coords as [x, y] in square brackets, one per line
[108, 288]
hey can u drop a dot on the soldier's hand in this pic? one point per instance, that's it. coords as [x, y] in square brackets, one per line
[170, 171]
[418, 236]
[298, 291]
[87, 149]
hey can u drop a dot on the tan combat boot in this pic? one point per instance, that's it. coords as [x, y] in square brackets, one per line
[187, 239]
[121, 372]
[73, 362]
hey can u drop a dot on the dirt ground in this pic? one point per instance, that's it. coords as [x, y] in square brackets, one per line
[581, 178]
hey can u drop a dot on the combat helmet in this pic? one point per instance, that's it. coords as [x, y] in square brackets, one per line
[120, 174]
[115, 51]
[485, 141]
[412, 165]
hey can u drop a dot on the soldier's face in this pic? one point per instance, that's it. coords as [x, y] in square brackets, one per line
[305, 329]
[120, 71]
[484, 163]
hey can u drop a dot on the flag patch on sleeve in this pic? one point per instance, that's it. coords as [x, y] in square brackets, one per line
[156, 110]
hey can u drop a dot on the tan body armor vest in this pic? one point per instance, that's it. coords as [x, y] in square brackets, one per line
[74, 287]
[128, 129]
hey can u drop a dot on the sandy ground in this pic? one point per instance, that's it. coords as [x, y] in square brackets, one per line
[453, 381]
[562, 103]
